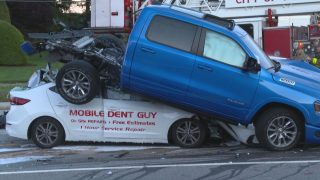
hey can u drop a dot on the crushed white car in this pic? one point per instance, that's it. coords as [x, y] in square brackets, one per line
[40, 113]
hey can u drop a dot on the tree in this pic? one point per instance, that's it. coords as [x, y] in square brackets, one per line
[11, 39]
[4, 12]
[31, 17]
[63, 12]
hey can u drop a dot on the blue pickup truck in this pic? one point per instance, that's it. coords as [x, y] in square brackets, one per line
[196, 62]
[210, 66]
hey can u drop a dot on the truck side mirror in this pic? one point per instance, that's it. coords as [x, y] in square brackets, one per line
[253, 65]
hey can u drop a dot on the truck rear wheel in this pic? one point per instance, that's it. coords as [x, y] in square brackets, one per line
[188, 133]
[78, 82]
[279, 129]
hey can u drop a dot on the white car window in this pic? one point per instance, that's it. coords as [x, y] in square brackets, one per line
[223, 49]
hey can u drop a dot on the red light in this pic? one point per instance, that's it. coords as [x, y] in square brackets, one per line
[18, 101]
[114, 13]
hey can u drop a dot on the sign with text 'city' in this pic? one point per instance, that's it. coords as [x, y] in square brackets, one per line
[248, 3]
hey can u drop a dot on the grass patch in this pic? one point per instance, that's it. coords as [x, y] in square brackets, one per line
[22, 74]
[4, 90]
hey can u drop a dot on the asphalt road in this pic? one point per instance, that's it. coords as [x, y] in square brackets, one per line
[94, 161]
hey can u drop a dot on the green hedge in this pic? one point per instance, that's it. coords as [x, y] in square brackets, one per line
[10, 41]
[4, 12]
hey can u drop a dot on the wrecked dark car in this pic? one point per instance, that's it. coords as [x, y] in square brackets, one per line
[87, 56]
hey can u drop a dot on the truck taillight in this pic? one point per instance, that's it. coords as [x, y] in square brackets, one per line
[18, 101]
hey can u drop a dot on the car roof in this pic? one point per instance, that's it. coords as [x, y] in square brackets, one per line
[205, 19]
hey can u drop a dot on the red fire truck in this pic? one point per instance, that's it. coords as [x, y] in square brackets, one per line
[258, 17]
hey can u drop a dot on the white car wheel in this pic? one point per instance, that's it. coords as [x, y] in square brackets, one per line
[47, 133]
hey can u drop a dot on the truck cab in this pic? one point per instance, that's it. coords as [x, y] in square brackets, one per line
[210, 66]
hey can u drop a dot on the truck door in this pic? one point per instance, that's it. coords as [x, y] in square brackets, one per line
[130, 117]
[163, 59]
[218, 83]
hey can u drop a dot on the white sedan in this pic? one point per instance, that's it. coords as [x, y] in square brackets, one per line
[42, 114]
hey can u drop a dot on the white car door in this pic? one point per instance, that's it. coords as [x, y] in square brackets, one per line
[85, 121]
[129, 116]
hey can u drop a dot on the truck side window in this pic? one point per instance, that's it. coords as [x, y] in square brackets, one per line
[171, 32]
[223, 49]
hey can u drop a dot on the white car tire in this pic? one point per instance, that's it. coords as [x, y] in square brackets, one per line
[47, 133]
[188, 133]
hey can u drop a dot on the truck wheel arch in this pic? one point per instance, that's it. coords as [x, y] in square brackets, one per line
[276, 104]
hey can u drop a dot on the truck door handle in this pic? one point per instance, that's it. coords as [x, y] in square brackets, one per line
[205, 68]
[148, 50]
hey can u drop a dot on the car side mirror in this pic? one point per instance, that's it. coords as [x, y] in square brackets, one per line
[253, 65]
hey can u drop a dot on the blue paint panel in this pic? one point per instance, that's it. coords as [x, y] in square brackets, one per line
[310, 134]
[225, 89]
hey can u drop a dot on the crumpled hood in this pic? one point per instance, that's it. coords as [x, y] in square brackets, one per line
[305, 76]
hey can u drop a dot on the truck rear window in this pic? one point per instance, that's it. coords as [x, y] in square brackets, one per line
[171, 32]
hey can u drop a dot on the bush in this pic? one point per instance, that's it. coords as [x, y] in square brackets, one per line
[4, 12]
[10, 41]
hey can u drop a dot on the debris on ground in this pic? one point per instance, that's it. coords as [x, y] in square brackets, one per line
[43, 160]
[163, 158]
[121, 155]
[232, 143]
[28, 145]
[220, 152]
[90, 158]
[109, 172]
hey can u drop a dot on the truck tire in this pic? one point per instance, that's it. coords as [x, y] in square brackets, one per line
[78, 82]
[279, 129]
[47, 133]
[188, 133]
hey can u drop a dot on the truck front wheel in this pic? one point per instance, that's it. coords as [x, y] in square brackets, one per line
[279, 129]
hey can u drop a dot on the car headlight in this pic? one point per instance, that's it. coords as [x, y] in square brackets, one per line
[317, 107]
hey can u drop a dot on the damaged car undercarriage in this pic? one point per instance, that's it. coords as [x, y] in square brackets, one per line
[88, 57]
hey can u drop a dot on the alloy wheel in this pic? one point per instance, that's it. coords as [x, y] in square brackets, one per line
[76, 84]
[188, 133]
[46, 133]
[282, 131]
